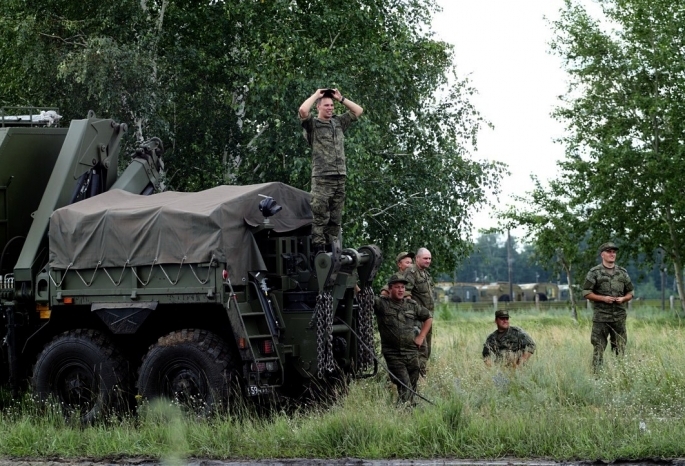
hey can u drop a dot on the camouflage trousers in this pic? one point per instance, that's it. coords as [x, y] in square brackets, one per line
[328, 199]
[615, 331]
[425, 352]
[406, 369]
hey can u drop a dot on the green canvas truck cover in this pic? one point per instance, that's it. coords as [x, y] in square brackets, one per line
[117, 228]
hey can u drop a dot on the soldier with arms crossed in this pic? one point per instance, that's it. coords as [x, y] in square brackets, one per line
[420, 289]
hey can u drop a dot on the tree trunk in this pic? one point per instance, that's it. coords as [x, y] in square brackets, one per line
[571, 296]
[675, 256]
[678, 266]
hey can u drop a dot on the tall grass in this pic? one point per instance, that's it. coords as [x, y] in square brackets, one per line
[555, 407]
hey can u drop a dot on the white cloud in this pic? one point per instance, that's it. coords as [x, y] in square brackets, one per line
[502, 45]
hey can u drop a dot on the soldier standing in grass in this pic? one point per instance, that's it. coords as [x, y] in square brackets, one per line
[325, 133]
[403, 325]
[420, 289]
[508, 345]
[609, 288]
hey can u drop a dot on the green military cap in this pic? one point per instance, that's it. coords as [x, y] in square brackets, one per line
[397, 278]
[607, 246]
[404, 254]
[501, 313]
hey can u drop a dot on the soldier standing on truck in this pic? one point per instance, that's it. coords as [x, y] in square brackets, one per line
[325, 133]
[403, 325]
[420, 288]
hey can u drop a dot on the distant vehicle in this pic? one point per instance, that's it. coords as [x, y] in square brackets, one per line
[501, 291]
[463, 293]
[564, 295]
[544, 291]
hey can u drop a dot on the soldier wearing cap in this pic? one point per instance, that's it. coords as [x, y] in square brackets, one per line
[609, 288]
[508, 344]
[403, 325]
[404, 261]
[420, 289]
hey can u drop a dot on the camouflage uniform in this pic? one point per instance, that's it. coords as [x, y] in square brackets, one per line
[609, 319]
[508, 346]
[420, 288]
[399, 322]
[326, 139]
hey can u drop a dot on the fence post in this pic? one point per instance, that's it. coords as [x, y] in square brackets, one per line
[630, 305]
[587, 304]
[537, 301]
[494, 302]
[671, 300]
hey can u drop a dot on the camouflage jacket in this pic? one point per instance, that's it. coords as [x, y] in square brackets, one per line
[420, 286]
[399, 323]
[327, 139]
[600, 281]
[514, 342]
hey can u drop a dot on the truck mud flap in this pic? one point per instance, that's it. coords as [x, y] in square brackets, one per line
[123, 318]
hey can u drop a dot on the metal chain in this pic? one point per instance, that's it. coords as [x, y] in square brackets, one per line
[365, 344]
[324, 333]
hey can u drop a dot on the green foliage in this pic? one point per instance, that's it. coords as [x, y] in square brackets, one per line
[221, 82]
[625, 117]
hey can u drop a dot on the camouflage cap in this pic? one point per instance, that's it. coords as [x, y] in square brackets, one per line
[397, 278]
[404, 254]
[607, 246]
[501, 313]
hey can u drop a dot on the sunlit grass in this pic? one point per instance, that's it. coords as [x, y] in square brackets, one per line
[554, 407]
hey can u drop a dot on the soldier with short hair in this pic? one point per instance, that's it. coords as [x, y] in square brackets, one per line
[609, 288]
[403, 325]
[404, 260]
[508, 345]
[420, 289]
[325, 133]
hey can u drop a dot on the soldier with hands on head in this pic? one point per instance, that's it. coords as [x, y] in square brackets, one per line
[420, 289]
[325, 133]
[508, 345]
[403, 325]
[609, 288]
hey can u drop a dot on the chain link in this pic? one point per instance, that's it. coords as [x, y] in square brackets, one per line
[365, 343]
[324, 333]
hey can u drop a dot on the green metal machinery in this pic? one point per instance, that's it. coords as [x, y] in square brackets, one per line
[112, 289]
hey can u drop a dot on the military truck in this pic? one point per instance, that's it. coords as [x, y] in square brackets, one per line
[111, 288]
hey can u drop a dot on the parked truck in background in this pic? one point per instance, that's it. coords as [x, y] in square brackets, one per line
[111, 288]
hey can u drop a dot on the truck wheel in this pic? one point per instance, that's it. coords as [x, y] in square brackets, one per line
[83, 371]
[193, 367]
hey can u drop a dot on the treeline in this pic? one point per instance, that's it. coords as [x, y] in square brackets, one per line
[490, 258]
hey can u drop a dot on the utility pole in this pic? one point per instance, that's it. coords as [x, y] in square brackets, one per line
[510, 264]
[662, 269]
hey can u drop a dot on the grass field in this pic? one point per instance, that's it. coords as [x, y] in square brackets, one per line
[555, 407]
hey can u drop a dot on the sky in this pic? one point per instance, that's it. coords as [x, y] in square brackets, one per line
[502, 46]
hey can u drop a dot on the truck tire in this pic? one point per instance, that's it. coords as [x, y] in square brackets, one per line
[193, 367]
[83, 371]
